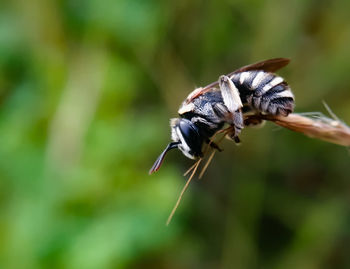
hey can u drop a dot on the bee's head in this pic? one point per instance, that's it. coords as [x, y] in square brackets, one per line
[186, 137]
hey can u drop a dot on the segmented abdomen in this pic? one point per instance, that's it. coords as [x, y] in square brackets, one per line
[265, 92]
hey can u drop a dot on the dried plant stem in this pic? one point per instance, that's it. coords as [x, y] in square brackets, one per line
[183, 191]
[323, 128]
[190, 169]
[207, 164]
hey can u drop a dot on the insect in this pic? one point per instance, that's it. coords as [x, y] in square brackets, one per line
[253, 88]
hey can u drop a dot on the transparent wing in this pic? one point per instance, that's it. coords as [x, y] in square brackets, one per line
[271, 65]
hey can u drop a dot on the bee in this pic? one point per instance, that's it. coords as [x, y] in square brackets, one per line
[253, 88]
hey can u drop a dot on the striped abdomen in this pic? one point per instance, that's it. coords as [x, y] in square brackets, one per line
[265, 92]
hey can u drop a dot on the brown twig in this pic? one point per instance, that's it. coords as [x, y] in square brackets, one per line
[320, 127]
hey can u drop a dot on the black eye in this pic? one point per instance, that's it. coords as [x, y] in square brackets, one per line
[191, 135]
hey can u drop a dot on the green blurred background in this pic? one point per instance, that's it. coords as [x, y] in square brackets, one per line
[86, 92]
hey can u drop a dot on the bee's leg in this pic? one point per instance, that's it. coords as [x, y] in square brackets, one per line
[253, 120]
[235, 119]
[232, 135]
[237, 126]
[238, 121]
[214, 145]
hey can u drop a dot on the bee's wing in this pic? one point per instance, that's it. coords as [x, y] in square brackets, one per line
[271, 65]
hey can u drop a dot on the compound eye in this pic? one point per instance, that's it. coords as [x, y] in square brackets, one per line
[191, 135]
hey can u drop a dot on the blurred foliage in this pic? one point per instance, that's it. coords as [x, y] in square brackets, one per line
[86, 91]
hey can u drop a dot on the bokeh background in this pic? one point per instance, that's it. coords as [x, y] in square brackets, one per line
[86, 92]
